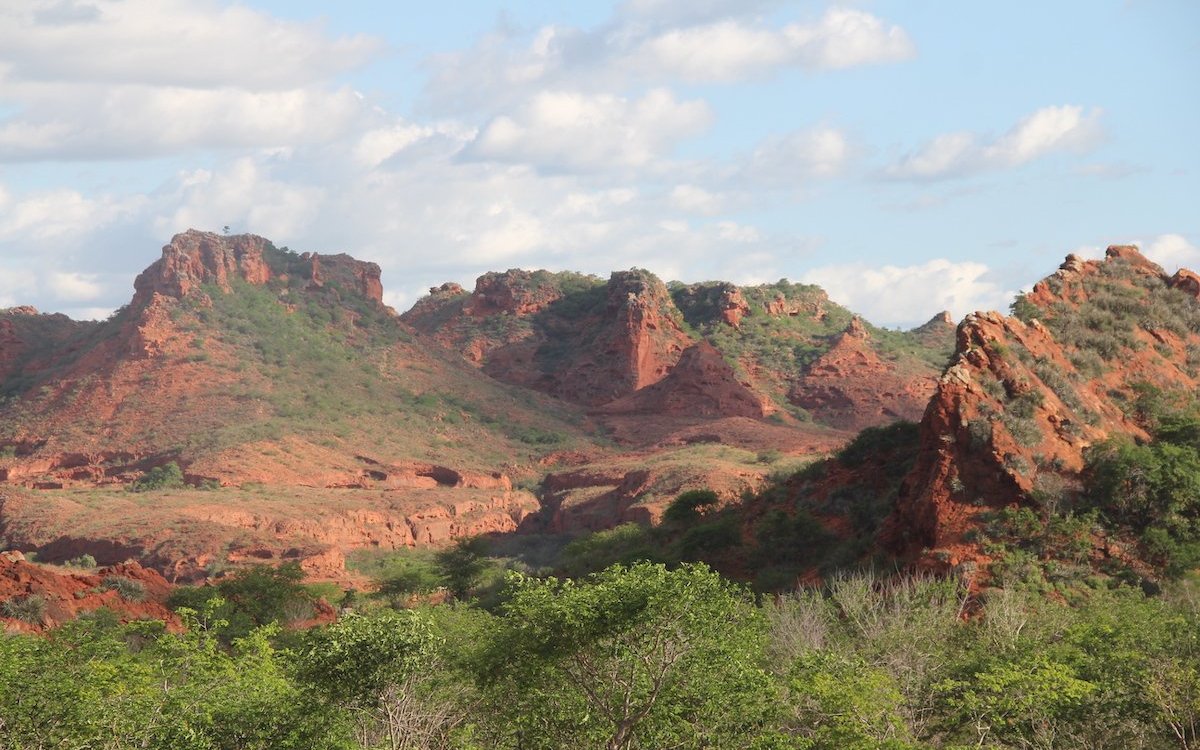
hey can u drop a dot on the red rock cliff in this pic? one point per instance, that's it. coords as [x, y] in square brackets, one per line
[1022, 401]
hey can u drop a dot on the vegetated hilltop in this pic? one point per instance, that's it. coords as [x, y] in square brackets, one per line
[1078, 408]
[243, 366]
[271, 407]
[788, 352]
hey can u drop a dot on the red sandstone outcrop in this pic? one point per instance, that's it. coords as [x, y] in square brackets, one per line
[1014, 411]
[1187, 282]
[851, 387]
[194, 258]
[636, 342]
[702, 384]
[514, 292]
[814, 307]
[67, 594]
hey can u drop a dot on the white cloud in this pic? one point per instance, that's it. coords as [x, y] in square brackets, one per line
[708, 42]
[723, 51]
[141, 78]
[959, 154]
[139, 121]
[243, 195]
[18, 286]
[1173, 251]
[572, 130]
[75, 287]
[787, 159]
[847, 38]
[695, 199]
[50, 216]
[689, 11]
[910, 295]
[192, 43]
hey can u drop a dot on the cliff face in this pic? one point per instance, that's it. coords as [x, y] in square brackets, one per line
[1026, 395]
[248, 365]
[612, 346]
[701, 384]
[194, 258]
[851, 387]
[565, 334]
[66, 595]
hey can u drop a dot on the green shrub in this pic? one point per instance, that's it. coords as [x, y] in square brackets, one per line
[688, 506]
[874, 441]
[709, 538]
[165, 477]
[28, 609]
[625, 544]
[83, 561]
[129, 589]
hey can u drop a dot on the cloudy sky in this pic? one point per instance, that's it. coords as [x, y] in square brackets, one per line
[907, 155]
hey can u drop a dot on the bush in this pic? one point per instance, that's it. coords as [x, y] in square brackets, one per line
[873, 441]
[709, 538]
[29, 609]
[83, 561]
[165, 477]
[129, 589]
[687, 506]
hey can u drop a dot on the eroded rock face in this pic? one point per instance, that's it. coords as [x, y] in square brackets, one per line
[65, 596]
[513, 292]
[194, 258]
[1187, 282]
[702, 384]
[851, 387]
[637, 342]
[1015, 411]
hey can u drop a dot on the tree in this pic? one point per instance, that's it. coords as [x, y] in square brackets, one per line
[462, 566]
[379, 668]
[632, 656]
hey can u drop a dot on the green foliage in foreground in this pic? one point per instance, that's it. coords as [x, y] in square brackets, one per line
[1153, 489]
[635, 657]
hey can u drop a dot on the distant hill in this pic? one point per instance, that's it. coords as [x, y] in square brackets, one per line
[307, 419]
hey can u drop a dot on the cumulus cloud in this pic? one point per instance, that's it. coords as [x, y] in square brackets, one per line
[571, 130]
[960, 154]
[1173, 251]
[75, 287]
[170, 43]
[139, 121]
[732, 50]
[910, 295]
[787, 159]
[708, 42]
[142, 78]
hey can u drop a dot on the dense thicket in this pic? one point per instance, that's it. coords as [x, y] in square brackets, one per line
[637, 656]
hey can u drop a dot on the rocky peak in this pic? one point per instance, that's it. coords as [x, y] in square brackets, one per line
[813, 304]
[515, 291]
[20, 310]
[193, 258]
[1025, 397]
[1133, 256]
[701, 384]
[856, 330]
[1187, 282]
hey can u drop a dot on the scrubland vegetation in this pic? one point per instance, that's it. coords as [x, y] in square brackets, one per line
[637, 656]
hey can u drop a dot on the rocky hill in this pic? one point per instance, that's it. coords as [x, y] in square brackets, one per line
[1027, 395]
[789, 350]
[255, 370]
[256, 404]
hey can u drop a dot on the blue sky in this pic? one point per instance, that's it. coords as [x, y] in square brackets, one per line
[908, 156]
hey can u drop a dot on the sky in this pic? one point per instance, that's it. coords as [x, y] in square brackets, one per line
[909, 156]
